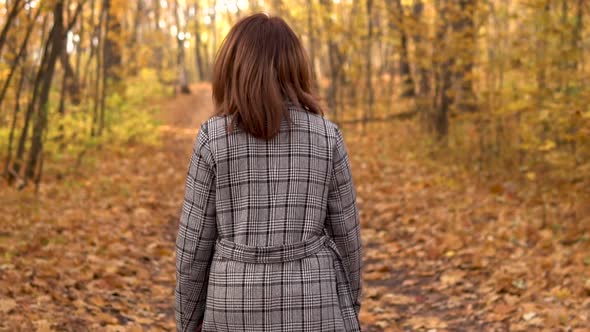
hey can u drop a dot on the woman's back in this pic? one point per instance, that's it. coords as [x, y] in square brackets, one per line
[273, 192]
[269, 235]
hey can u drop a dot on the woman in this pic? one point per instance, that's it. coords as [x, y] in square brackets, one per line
[269, 236]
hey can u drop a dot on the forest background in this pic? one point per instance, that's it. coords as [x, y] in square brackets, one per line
[468, 123]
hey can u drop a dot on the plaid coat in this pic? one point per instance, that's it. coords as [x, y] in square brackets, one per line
[269, 235]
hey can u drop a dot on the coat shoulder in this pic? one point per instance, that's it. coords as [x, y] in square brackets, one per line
[316, 123]
[215, 127]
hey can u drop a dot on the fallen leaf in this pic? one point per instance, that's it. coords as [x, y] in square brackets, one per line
[43, 326]
[6, 305]
[529, 315]
[452, 277]
[398, 299]
[429, 322]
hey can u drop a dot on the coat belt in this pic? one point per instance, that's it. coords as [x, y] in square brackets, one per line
[283, 253]
[275, 254]
[296, 251]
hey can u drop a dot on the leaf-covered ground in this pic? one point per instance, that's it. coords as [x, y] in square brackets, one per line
[447, 251]
[443, 251]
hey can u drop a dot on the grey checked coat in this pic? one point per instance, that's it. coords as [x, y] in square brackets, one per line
[269, 236]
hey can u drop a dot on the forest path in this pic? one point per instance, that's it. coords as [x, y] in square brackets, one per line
[401, 294]
[95, 251]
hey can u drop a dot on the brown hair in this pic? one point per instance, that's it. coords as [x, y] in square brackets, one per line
[260, 68]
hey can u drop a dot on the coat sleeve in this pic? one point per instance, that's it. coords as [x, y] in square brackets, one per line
[343, 219]
[196, 238]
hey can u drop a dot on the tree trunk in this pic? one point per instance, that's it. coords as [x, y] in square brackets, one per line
[464, 27]
[62, 108]
[19, 55]
[158, 55]
[577, 44]
[20, 151]
[564, 44]
[541, 56]
[133, 42]
[78, 77]
[96, 113]
[112, 51]
[396, 21]
[94, 35]
[370, 94]
[335, 59]
[111, 59]
[9, 173]
[16, 7]
[198, 51]
[421, 51]
[312, 42]
[214, 36]
[443, 98]
[73, 86]
[56, 44]
[404, 69]
[180, 56]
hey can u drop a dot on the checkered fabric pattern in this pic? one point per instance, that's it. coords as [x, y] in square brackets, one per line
[247, 248]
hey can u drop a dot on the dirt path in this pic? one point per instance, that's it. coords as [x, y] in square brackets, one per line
[401, 294]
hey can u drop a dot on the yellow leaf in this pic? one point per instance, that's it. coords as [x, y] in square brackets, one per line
[547, 146]
[561, 293]
[6, 305]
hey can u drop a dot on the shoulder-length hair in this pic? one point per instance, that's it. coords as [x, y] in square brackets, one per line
[261, 68]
